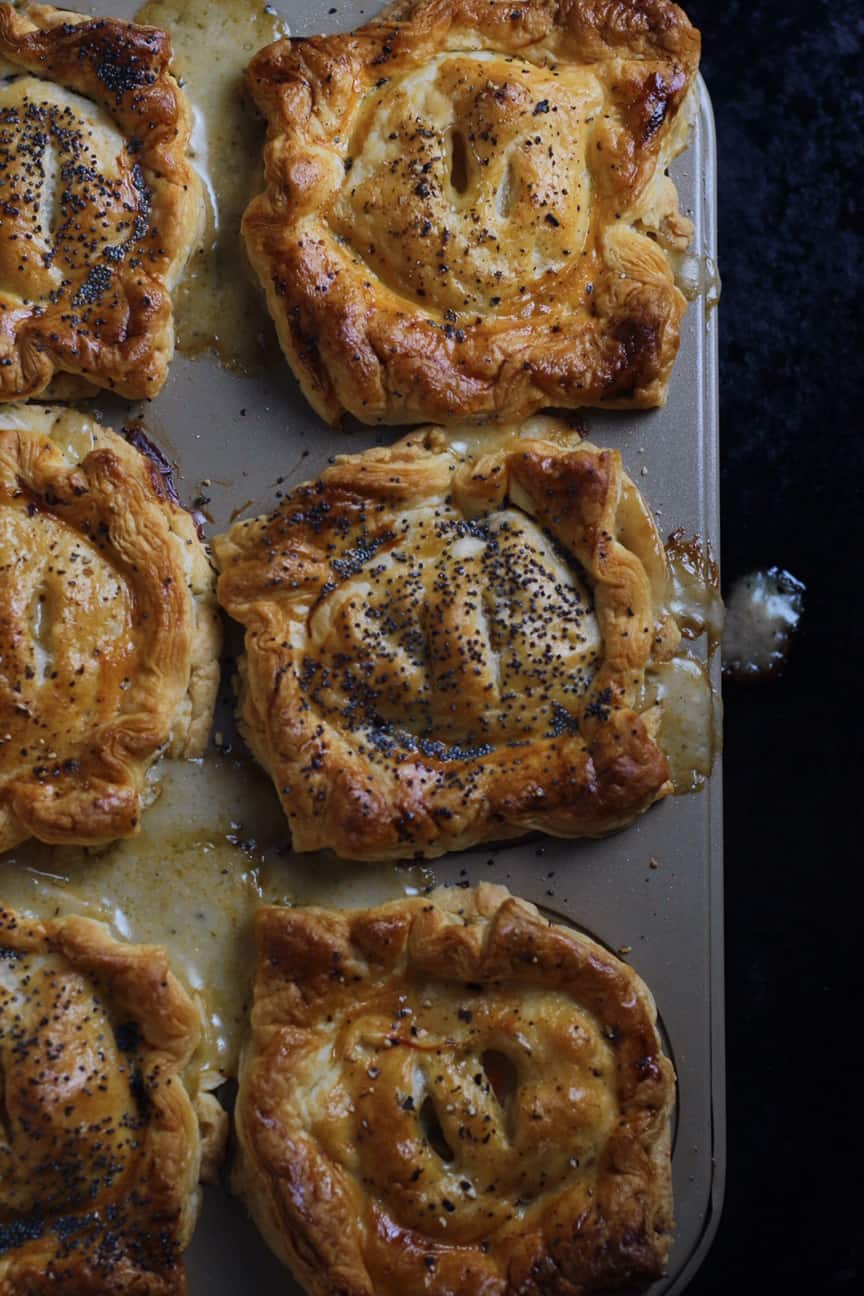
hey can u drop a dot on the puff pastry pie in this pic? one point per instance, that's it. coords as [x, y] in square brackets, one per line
[446, 645]
[99, 1142]
[467, 210]
[99, 205]
[109, 633]
[450, 1095]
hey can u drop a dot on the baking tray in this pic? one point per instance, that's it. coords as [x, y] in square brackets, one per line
[654, 890]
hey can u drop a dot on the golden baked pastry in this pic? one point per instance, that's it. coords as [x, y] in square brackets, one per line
[109, 632]
[99, 1142]
[467, 209]
[449, 1095]
[99, 204]
[446, 646]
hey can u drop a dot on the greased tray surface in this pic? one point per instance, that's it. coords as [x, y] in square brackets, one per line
[249, 437]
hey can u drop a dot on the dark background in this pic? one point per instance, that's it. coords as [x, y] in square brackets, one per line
[786, 79]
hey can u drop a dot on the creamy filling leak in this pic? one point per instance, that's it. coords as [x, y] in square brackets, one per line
[218, 305]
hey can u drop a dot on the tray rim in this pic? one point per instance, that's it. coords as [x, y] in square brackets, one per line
[678, 1282]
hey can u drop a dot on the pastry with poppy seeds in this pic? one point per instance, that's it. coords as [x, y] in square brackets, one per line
[99, 203]
[467, 209]
[109, 630]
[100, 1149]
[449, 1094]
[447, 645]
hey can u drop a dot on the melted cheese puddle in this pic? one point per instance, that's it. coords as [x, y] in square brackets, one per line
[691, 727]
[697, 276]
[690, 723]
[763, 613]
[218, 305]
[695, 600]
[192, 880]
[488, 438]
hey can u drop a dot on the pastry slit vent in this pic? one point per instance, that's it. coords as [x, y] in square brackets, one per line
[488, 625]
[506, 193]
[42, 628]
[432, 1130]
[50, 195]
[502, 1076]
[494, 610]
[458, 162]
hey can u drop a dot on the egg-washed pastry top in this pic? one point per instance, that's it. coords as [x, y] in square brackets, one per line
[467, 210]
[447, 1094]
[445, 646]
[99, 1142]
[99, 205]
[109, 633]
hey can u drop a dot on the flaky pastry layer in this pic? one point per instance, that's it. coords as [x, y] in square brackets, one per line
[99, 204]
[446, 643]
[467, 211]
[99, 1145]
[109, 632]
[449, 1094]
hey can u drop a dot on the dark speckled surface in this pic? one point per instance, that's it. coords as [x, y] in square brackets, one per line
[786, 80]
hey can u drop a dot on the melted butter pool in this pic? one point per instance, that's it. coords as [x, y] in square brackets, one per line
[218, 305]
[192, 880]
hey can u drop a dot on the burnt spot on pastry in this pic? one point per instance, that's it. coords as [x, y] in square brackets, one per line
[163, 471]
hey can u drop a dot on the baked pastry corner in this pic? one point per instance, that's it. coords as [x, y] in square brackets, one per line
[101, 206]
[467, 210]
[449, 1094]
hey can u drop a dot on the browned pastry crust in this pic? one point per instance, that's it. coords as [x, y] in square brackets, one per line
[445, 647]
[99, 1145]
[450, 1095]
[109, 633]
[467, 211]
[99, 205]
